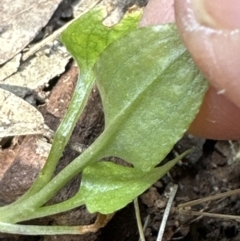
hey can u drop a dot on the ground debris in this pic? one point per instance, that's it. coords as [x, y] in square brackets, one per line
[18, 117]
[20, 165]
[20, 22]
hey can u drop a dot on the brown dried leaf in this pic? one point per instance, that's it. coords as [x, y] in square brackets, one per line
[20, 21]
[20, 166]
[6, 159]
[18, 117]
[62, 92]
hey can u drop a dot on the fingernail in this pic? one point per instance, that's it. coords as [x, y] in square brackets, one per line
[218, 14]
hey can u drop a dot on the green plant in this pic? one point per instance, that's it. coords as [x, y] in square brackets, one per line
[150, 91]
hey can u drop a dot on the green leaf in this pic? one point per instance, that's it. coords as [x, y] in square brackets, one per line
[107, 187]
[87, 37]
[151, 92]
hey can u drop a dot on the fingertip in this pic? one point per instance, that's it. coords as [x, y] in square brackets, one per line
[218, 14]
[217, 119]
[215, 51]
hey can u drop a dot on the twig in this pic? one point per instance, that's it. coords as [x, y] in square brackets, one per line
[212, 215]
[145, 225]
[139, 222]
[48, 39]
[166, 212]
[211, 198]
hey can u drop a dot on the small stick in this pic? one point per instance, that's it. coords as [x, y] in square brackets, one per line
[212, 215]
[166, 212]
[139, 222]
[46, 40]
[211, 198]
[145, 225]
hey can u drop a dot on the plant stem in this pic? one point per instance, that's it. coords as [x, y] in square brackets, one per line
[100, 222]
[37, 230]
[56, 208]
[31, 204]
[63, 133]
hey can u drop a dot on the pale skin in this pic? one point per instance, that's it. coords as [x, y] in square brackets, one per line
[212, 36]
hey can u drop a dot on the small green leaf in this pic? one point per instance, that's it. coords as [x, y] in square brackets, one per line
[87, 37]
[151, 91]
[107, 187]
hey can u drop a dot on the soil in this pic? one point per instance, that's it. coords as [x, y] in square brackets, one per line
[212, 168]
